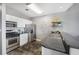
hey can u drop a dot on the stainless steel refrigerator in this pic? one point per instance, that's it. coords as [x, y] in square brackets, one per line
[31, 30]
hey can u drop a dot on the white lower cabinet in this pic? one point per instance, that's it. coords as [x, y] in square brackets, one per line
[74, 51]
[23, 39]
[46, 51]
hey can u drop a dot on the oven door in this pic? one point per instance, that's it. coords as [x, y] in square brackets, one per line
[12, 42]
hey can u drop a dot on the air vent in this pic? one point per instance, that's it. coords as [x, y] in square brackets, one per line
[28, 3]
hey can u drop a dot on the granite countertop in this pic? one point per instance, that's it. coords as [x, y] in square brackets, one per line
[55, 42]
[22, 32]
[72, 41]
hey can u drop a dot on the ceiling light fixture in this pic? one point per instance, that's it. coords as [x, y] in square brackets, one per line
[34, 8]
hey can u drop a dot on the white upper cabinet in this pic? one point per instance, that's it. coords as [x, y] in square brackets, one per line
[11, 18]
[20, 21]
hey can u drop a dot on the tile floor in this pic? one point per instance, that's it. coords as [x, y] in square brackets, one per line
[32, 48]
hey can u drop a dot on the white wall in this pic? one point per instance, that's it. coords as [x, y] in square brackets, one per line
[70, 20]
[3, 29]
[0, 28]
[43, 27]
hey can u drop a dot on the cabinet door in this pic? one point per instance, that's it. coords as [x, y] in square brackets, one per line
[23, 39]
[11, 18]
[46, 51]
[74, 51]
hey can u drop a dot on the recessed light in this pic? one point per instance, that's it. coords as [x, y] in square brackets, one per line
[60, 7]
[26, 9]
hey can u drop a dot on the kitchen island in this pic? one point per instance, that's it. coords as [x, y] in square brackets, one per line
[59, 42]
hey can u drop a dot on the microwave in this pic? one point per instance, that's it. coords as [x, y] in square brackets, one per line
[11, 24]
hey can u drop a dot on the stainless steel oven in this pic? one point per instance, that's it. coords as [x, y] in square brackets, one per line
[12, 36]
[11, 24]
[12, 40]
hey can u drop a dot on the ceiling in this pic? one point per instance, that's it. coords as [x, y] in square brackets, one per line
[47, 8]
